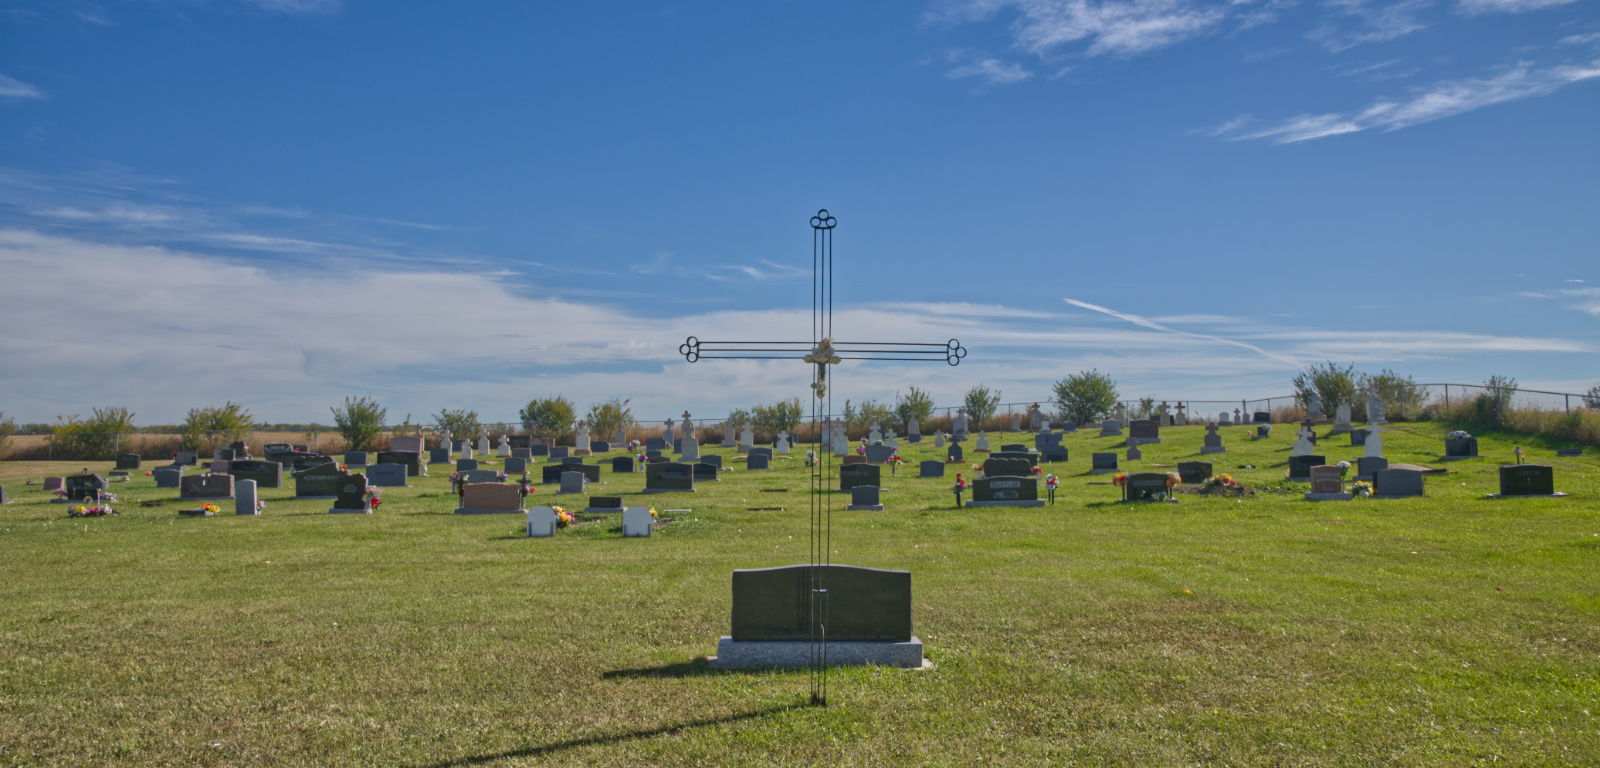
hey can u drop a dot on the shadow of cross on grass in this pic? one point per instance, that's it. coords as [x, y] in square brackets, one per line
[615, 738]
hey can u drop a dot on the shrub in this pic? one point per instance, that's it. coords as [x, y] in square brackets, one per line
[7, 428]
[981, 403]
[209, 428]
[1329, 382]
[93, 438]
[608, 417]
[1592, 397]
[782, 416]
[1402, 399]
[462, 423]
[360, 421]
[915, 402]
[1086, 397]
[548, 417]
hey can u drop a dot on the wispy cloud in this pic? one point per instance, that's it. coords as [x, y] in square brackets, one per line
[1444, 99]
[298, 7]
[1140, 321]
[990, 71]
[1475, 7]
[12, 88]
[1044, 27]
[1378, 23]
[1586, 300]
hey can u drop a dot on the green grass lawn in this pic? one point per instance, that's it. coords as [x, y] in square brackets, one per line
[1449, 630]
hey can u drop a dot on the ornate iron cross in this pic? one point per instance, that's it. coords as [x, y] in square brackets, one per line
[821, 352]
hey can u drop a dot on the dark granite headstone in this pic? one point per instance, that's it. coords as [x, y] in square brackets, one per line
[765, 450]
[878, 454]
[167, 477]
[865, 497]
[560, 451]
[83, 487]
[516, 464]
[522, 453]
[186, 458]
[864, 604]
[1005, 488]
[570, 460]
[518, 443]
[1300, 466]
[852, 459]
[704, 471]
[129, 461]
[712, 459]
[1103, 461]
[605, 504]
[1358, 438]
[206, 487]
[1527, 480]
[411, 460]
[931, 469]
[1028, 456]
[859, 474]
[954, 453]
[465, 464]
[539, 449]
[439, 456]
[303, 461]
[355, 458]
[758, 461]
[996, 467]
[267, 474]
[1461, 447]
[1013, 448]
[1144, 430]
[1261, 417]
[655, 444]
[551, 473]
[1569, 452]
[1194, 471]
[222, 454]
[350, 495]
[1146, 486]
[1397, 482]
[1049, 445]
[321, 481]
[622, 465]
[655, 454]
[658, 459]
[599, 446]
[668, 476]
[1367, 466]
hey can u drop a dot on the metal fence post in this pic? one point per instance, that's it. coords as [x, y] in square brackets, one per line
[1447, 397]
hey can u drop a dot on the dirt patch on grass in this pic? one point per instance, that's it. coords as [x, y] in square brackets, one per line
[1227, 491]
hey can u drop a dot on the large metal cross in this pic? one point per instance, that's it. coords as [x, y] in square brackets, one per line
[822, 351]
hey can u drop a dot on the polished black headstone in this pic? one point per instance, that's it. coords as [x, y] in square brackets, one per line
[864, 604]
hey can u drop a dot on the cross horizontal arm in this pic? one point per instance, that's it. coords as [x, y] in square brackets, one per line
[951, 351]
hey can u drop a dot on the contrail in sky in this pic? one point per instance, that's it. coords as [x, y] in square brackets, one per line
[1137, 320]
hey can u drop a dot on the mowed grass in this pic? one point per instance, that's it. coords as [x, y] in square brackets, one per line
[1450, 630]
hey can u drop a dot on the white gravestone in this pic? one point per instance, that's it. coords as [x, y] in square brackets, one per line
[504, 449]
[841, 446]
[691, 449]
[983, 442]
[581, 432]
[874, 435]
[483, 443]
[747, 439]
[541, 522]
[636, 522]
[1302, 443]
[782, 446]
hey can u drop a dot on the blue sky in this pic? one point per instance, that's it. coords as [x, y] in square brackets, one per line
[281, 202]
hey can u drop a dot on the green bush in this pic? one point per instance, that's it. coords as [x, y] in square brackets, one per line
[981, 403]
[915, 402]
[608, 417]
[549, 417]
[360, 421]
[782, 416]
[1329, 382]
[93, 438]
[1086, 397]
[462, 424]
[209, 428]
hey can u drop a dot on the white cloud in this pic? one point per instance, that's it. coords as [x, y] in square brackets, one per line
[1444, 99]
[1475, 7]
[1118, 28]
[11, 88]
[1379, 23]
[990, 71]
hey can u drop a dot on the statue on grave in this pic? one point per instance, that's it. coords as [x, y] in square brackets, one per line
[687, 427]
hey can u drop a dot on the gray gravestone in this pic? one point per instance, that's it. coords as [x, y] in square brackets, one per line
[129, 461]
[932, 469]
[439, 456]
[244, 502]
[758, 461]
[859, 474]
[1397, 483]
[865, 498]
[319, 482]
[560, 452]
[411, 460]
[1369, 466]
[1100, 463]
[355, 458]
[622, 465]
[658, 444]
[466, 464]
[186, 458]
[387, 475]
[994, 467]
[476, 476]
[712, 459]
[571, 482]
[167, 477]
[1300, 466]
[539, 449]
[522, 453]
[350, 496]
[84, 487]
[1133, 451]
[1213, 441]
[551, 473]
[1145, 431]
[1192, 472]
[668, 477]
[516, 464]
[1110, 428]
[878, 454]
[704, 471]
[864, 604]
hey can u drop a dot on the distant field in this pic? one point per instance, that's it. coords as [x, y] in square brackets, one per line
[1450, 630]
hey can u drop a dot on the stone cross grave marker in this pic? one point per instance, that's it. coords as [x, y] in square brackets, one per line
[1213, 441]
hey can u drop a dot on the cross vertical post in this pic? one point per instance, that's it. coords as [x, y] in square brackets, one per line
[821, 352]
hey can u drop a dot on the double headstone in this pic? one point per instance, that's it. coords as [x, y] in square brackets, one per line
[1005, 491]
[859, 474]
[206, 487]
[85, 487]
[1146, 486]
[1142, 431]
[668, 477]
[267, 474]
[387, 475]
[1397, 483]
[1528, 480]
[319, 482]
[490, 499]
[868, 618]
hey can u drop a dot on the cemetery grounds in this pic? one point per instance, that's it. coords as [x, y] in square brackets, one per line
[1265, 630]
